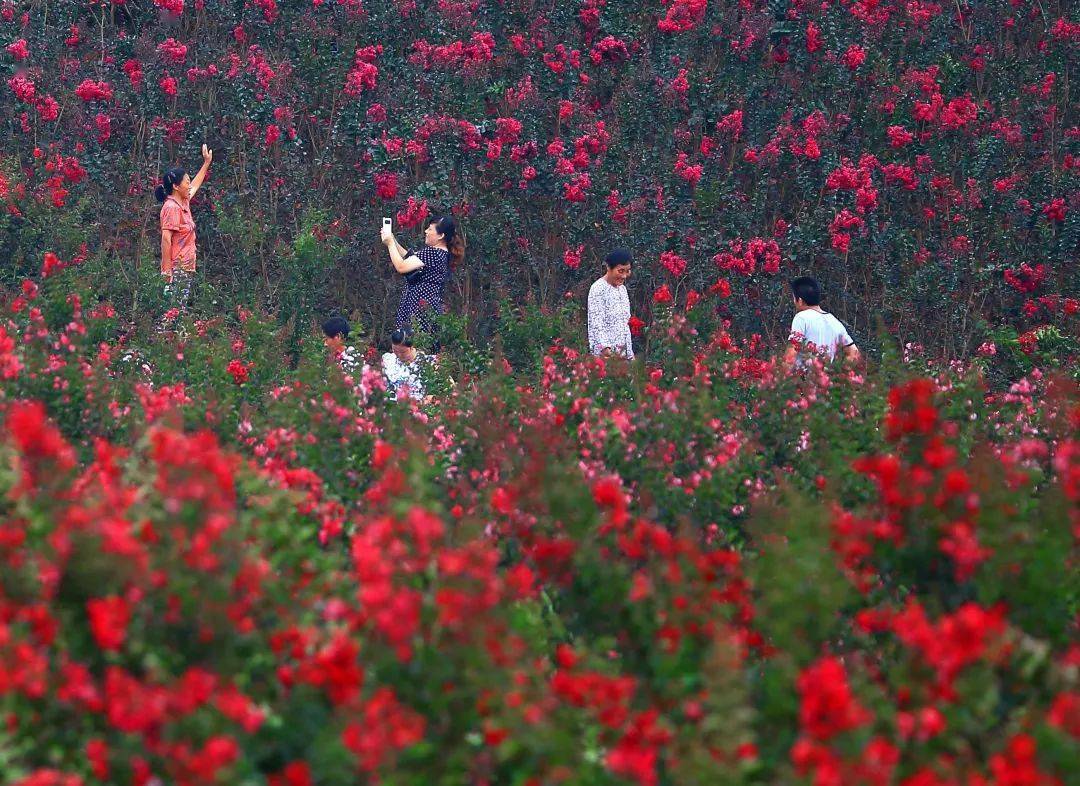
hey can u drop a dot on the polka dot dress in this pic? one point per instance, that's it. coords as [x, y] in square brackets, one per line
[423, 299]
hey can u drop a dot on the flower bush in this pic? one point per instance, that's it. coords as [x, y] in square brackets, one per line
[919, 157]
[221, 567]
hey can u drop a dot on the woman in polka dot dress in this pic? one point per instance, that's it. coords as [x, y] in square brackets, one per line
[426, 272]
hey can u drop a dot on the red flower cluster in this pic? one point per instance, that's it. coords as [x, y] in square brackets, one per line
[746, 256]
[469, 57]
[386, 185]
[955, 642]
[386, 728]
[828, 707]
[109, 619]
[673, 263]
[364, 74]
[682, 15]
[912, 410]
[90, 90]
[239, 370]
[173, 51]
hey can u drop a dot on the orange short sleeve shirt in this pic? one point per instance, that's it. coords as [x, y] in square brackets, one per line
[176, 217]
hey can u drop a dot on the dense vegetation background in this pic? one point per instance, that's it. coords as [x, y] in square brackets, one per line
[919, 157]
[224, 560]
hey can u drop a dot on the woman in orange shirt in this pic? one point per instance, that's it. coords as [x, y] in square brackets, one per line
[178, 228]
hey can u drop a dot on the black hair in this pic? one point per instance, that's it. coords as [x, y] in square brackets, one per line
[171, 178]
[335, 327]
[620, 256]
[452, 236]
[401, 336]
[807, 290]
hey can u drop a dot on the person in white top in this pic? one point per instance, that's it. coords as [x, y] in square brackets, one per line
[609, 308]
[814, 330]
[404, 367]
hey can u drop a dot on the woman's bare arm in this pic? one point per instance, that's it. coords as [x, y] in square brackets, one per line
[166, 249]
[401, 263]
[197, 181]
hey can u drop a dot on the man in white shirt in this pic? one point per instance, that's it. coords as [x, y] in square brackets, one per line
[609, 308]
[813, 330]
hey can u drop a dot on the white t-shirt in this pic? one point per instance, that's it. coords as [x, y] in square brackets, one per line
[400, 376]
[609, 319]
[819, 332]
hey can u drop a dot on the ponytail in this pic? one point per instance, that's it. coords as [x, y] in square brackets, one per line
[453, 236]
[457, 249]
[170, 179]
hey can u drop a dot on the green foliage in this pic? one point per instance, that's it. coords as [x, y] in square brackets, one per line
[525, 333]
[801, 591]
[305, 269]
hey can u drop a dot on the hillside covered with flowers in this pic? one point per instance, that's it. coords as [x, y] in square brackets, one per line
[919, 157]
[228, 557]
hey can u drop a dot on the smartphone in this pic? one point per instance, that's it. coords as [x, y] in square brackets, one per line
[386, 223]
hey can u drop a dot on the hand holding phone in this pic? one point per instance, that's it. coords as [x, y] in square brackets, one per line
[387, 230]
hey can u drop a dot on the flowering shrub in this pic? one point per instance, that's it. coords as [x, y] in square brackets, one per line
[920, 158]
[220, 566]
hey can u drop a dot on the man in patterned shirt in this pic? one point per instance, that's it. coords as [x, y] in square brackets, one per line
[337, 331]
[609, 308]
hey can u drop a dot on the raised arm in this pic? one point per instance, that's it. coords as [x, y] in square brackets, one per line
[401, 263]
[197, 181]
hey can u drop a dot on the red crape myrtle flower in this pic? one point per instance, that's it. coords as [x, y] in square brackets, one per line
[827, 705]
[19, 49]
[911, 409]
[49, 778]
[955, 642]
[387, 726]
[109, 618]
[364, 73]
[238, 370]
[38, 442]
[673, 263]
[89, 90]
[295, 773]
[1065, 713]
[386, 185]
